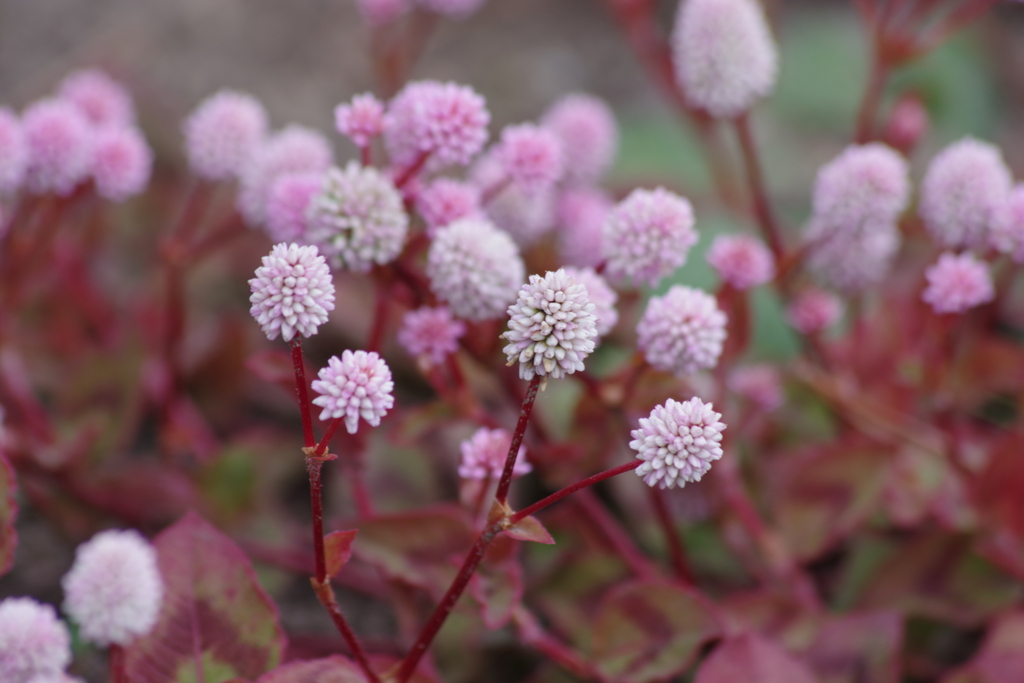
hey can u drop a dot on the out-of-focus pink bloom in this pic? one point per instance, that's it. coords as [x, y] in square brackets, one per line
[601, 295]
[446, 121]
[59, 142]
[287, 204]
[430, 334]
[724, 56]
[760, 384]
[292, 292]
[33, 641]
[964, 184]
[361, 120]
[678, 443]
[525, 216]
[647, 236]
[380, 12]
[530, 156]
[484, 453]
[581, 213]
[101, 99]
[445, 200]
[456, 9]
[13, 152]
[292, 150]
[814, 310]
[223, 133]
[589, 134]
[741, 261]
[357, 385]
[1007, 234]
[683, 331]
[475, 268]
[908, 124]
[122, 163]
[957, 283]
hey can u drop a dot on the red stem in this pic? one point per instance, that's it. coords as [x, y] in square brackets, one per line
[364, 155]
[755, 182]
[573, 488]
[675, 547]
[301, 393]
[314, 465]
[517, 439]
[410, 172]
[380, 316]
[616, 536]
[325, 442]
[115, 659]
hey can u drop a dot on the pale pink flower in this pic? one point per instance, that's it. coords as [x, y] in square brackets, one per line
[530, 156]
[356, 385]
[475, 268]
[552, 327]
[957, 283]
[590, 137]
[677, 443]
[292, 292]
[760, 384]
[380, 12]
[361, 120]
[33, 641]
[223, 133]
[741, 261]
[647, 236]
[101, 99]
[292, 150]
[581, 213]
[288, 201]
[525, 216]
[724, 56]
[122, 163]
[484, 454]
[430, 334]
[446, 121]
[445, 201]
[814, 310]
[1007, 235]
[907, 125]
[964, 185]
[114, 589]
[13, 152]
[59, 141]
[683, 331]
[601, 295]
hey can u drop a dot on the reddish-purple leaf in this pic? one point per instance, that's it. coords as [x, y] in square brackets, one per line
[650, 631]
[498, 583]
[216, 622]
[530, 529]
[862, 646]
[338, 549]
[333, 669]
[751, 657]
[8, 514]
[1001, 659]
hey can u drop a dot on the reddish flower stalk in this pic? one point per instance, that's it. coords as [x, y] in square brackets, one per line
[758, 193]
[364, 156]
[675, 547]
[302, 392]
[115, 660]
[582, 484]
[618, 539]
[380, 316]
[517, 439]
[410, 172]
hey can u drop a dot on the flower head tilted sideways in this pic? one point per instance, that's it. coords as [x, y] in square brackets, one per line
[114, 589]
[683, 331]
[552, 326]
[33, 641]
[356, 385]
[357, 219]
[647, 236]
[724, 56]
[292, 292]
[484, 453]
[677, 443]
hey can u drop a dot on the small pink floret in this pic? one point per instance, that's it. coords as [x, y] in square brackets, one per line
[33, 641]
[531, 157]
[294, 149]
[122, 163]
[430, 334]
[581, 212]
[760, 384]
[589, 135]
[288, 204]
[361, 120]
[682, 331]
[1007, 235]
[101, 99]
[445, 201]
[292, 292]
[741, 261]
[957, 283]
[484, 454]
[356, 385]
[814, 310]
[446, 121]
[59, 141]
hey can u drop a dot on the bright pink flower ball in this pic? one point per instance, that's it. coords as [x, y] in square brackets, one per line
[530, 156]
[484, 454]
[647, 236]
[741, 261]
[445, 200]
[814, 310]
[33, 641]
[222, 133]
[356, 385]
[430, 334]
[288, 205]
[1007, 233]
[361, 120]
[957, 283]
[445, 120]
[59, 141]
[682, 331]
[581, 212]
[101, 99]
[589, 135]
[122, 163]
[292, 150]
[13, 152]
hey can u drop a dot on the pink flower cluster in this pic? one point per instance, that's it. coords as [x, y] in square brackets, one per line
[292, 292]
[677, 443]
[357, 385]
[741, 261]
[444, 122]
[484, 453]
[430, 334]
[683, 331]
[957, 283]
[647, 236]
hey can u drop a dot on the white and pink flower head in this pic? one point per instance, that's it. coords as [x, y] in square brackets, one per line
[223, 133]
[361, 120]
[445, 121]
[33, 641]
[484, 453]
[590, 137]
[741, 261]
[531, 157]
[357, 385]
[101, 99]
[445, 201]
[122, 163]
[647, 236]
[957, 283]
[292, 292]
[60, 146]
[677, 443]
[430, 334]
[683, 331]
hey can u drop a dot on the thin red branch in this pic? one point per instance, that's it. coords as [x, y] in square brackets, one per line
[517, 439]
[675, 547]
[573, 488]
[758, 192]
[302, 392]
